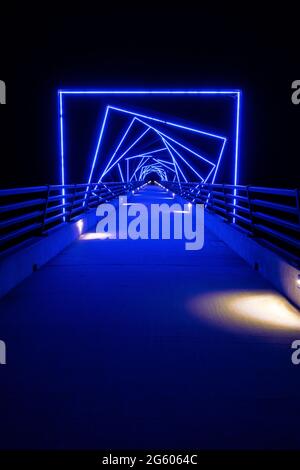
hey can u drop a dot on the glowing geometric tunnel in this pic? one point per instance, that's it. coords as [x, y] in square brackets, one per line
[178, 156]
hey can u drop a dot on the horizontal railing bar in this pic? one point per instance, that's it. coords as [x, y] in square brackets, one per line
[16, 191]
[58, 197]
[258, 189]
[82, 193]
[275, 191]
[20, 232]
[239, 217]
[275, 206]
[240, 205]
[93, 203]
[206, 191]
[218, 200]
[49, 220]
[276, 234]
[276, 220]
[80, 202]
[237, 197]
[218, 193]
[20, 219]
[57, 187]
[210, 205]
[246, 210]
[22, 205]
[235, 203]
[280, 250]
[51, 209]
[77, 209]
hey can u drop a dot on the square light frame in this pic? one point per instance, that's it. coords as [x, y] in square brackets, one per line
[234, 92]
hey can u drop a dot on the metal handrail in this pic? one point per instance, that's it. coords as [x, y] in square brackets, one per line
[33, 211]
[271, 215]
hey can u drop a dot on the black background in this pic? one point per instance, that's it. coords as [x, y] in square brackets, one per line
[151, 48]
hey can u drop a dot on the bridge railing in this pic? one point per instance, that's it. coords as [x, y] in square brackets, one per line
[35, 211]
[268, 214]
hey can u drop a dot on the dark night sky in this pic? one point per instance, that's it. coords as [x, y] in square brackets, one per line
[151, 49]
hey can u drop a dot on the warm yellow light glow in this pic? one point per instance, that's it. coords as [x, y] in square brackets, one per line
[260, 311]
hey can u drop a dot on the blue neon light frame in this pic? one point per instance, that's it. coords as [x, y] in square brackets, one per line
[66, 92]
[110, 165]
[137, 117]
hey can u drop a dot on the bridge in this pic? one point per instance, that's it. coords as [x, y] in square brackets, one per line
[116, 343]
[141, 343]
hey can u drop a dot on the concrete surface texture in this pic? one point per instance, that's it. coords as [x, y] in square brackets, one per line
[142, 344]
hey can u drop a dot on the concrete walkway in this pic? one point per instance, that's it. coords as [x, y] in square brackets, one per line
[142, 344]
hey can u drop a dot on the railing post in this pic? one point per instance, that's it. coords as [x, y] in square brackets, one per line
[250, 210]
[87, 199]
[199, 193]
[211, 195]
[226, 205]
[97, 190]
[192, 193]
[45, 210]
[72, 203]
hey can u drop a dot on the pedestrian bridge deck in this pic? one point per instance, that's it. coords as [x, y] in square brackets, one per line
[142, 344]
